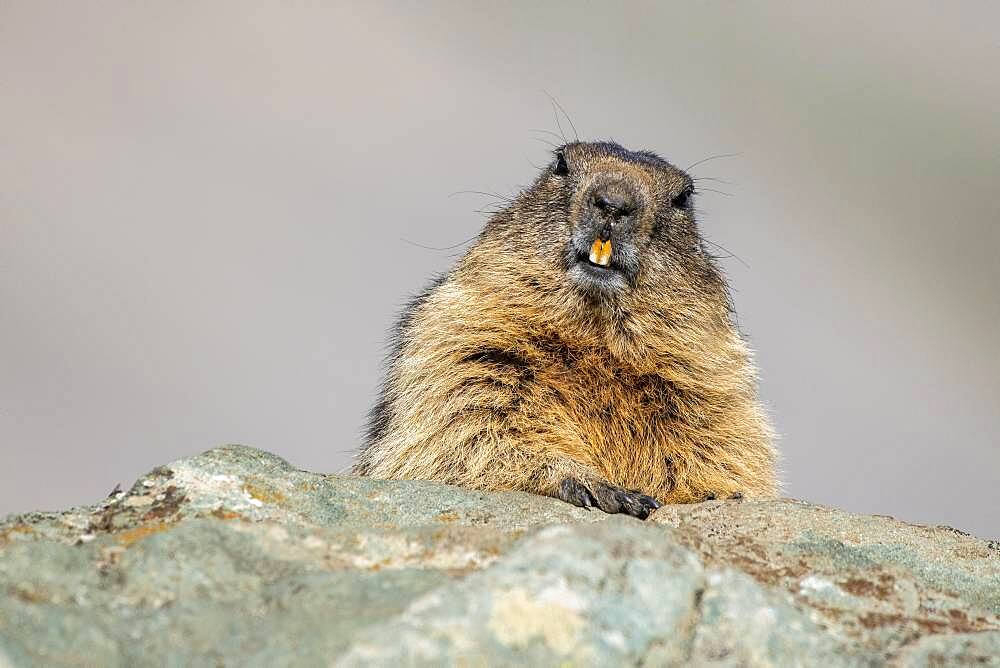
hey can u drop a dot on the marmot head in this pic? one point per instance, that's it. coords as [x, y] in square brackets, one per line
[608, 226]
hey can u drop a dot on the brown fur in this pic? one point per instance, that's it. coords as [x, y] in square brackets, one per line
[510, 376]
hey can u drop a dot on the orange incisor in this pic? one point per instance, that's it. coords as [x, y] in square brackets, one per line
[600, 252]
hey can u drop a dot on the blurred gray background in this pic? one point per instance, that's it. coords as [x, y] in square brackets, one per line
[205, 208]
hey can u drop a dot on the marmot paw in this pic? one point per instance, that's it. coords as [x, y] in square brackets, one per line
[735, 496]
[609, 498]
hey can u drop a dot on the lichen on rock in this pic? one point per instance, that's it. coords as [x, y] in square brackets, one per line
[234, 557]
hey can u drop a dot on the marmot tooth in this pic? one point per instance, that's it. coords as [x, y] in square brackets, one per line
[605, 258]
[600, 252]
[596, 250]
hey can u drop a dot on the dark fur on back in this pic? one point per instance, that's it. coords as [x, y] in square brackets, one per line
[380, 414]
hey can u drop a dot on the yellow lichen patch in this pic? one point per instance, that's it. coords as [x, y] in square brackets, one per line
[5, 535]
[222, 514]
[262, 493]
[518, 618]
[29, 594]
[132, 536]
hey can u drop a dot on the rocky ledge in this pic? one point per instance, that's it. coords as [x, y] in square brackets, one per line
[235, 557]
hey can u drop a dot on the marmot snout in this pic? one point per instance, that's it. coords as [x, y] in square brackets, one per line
[583, 348]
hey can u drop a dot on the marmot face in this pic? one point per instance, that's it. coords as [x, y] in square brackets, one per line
[617, 223]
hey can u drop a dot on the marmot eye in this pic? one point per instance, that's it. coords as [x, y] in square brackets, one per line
[683, 200]
[561, 168]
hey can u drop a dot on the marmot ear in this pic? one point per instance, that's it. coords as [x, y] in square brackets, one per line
[683, 200]
[561, 167]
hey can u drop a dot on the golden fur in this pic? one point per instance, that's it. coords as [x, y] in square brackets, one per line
[509, 376]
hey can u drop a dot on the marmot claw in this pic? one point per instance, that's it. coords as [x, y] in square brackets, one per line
[609, 498]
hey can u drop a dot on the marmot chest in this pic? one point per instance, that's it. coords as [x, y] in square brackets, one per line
[606, 403]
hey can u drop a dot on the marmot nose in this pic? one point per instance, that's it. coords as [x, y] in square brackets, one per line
[612, 204]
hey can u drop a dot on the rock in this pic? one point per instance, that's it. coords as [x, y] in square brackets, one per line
[235, 557]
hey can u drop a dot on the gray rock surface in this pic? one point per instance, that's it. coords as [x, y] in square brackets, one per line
[235, 557]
